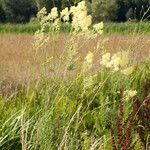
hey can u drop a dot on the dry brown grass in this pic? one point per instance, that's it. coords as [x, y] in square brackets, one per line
[19, 66]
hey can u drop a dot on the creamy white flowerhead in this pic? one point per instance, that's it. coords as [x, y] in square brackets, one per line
[49, 16]
[88, 63]
[105, 60]
[65, 14]
[118, 61]
[115, 61]
[82, 6]
[73, 9]
[111, 62]
[99, 27]
[81, 21]
[56, 25]
[41, 13]
[130, 94]
[124, 56]
[89, 58]
[54, 13]
[128, 70]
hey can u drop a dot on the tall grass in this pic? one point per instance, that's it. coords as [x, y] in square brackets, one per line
[79, 105]
[58, 114]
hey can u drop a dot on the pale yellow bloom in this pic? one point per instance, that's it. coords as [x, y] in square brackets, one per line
[49, 17]
[41, 13]
[130, 94]
[124, 56]
[116, 68]
[118, 61]
[73, 9]
[105, 60]
[54, 13]
[82, 6]
[84, 22]
[128, 70]
[65, 14]
[115, 62]
[88, 63]
[80, 20]
[56, 25]
[99, 27]
[87, 22]
[89, 58]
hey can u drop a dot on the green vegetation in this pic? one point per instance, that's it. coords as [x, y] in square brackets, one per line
[100, 101]
[18, 28]
[110, 28]
[127, 28]
[56, 113]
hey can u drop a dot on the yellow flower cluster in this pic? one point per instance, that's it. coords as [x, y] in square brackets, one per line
[54, 13]
[81, 20]
[98, 28]
[106, 60]
[130, 94]
[56, 25]
[117, 62]
[46, 19]
[41, 13]
[42, 16]
[89, 58]
[127, 71]
[65, 14]
[40, 38]
[87, 65]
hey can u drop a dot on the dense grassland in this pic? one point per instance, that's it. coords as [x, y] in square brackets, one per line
[77, 89]
[110, 28]
[45, 105]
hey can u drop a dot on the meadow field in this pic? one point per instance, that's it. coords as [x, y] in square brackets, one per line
[18, 66]
[126, 28]
[83, 89]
